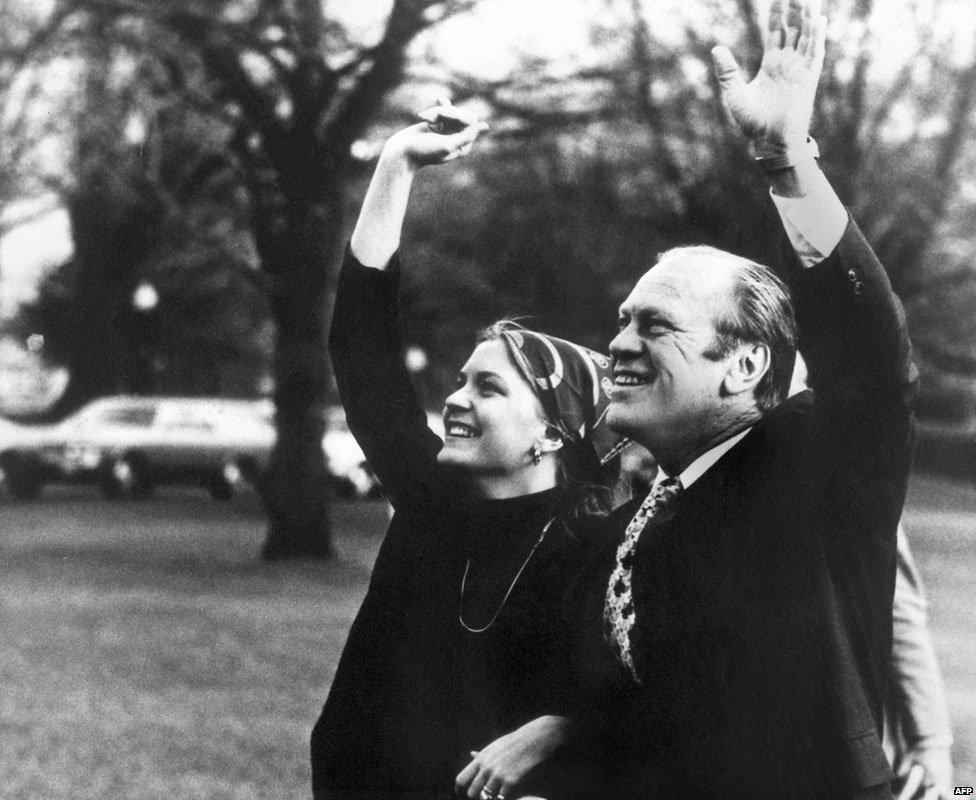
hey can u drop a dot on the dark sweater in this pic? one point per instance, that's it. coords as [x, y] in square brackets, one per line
[414, 691]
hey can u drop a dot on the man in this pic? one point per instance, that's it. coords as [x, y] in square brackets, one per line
[917, 730]
[748, 603]
[917, 725]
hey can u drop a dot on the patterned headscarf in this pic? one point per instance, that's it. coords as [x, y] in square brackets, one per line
[572, 382]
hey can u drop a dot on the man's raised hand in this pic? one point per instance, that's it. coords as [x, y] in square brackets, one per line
[775, 107]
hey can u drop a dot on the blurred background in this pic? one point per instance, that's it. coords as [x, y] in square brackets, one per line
[177, 182]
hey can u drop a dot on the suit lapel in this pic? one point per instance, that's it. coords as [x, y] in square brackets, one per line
[675, 568]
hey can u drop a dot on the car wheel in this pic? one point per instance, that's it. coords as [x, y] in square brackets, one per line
[220, 489]
[122, 476]
[20, 476]
[250, 471]
[224, 482]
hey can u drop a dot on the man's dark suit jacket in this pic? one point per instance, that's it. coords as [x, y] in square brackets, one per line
[764, 600]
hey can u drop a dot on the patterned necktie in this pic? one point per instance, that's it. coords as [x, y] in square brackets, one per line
[618, 610]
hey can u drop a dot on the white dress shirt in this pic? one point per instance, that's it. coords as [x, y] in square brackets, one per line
[815, 222]
[701, 465]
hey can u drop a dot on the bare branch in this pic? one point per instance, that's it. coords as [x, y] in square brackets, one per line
[959, 124]
[382, 66]
[640, 51]
[17, 58]
[938, 355]
[222, 59]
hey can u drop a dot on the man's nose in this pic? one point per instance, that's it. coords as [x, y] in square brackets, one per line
[626, 342]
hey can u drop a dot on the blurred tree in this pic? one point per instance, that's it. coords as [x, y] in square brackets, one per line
[525, 232]
[154, 203]
[298, 86]
[25, 37]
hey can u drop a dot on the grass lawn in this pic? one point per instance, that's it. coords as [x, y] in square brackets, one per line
[147, 653]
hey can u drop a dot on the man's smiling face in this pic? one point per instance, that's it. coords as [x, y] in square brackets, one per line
[667, 380]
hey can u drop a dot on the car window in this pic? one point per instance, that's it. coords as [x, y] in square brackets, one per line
[139, 416]
[190, 419]
[189, 424]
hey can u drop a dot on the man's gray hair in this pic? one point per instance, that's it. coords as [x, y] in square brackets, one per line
[759, 312]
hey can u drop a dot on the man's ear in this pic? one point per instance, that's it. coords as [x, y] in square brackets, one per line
[746, 366]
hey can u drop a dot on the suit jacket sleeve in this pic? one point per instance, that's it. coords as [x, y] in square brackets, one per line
[380, 402]
[853, 336]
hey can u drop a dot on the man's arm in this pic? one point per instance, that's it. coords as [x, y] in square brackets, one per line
[851, 324]
[917, 705]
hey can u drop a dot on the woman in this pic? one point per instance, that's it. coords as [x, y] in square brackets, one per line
[458, 645]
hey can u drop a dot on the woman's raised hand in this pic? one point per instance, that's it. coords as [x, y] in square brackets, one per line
[445, 133]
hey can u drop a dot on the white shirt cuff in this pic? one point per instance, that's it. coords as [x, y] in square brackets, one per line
[942, 741]
[815, 222]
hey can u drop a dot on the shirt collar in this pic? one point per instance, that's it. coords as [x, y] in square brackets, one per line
[701, 465]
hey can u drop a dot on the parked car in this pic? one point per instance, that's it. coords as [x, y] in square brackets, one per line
[348, 469]
[127, 445]
[351, 473]
[20, 468]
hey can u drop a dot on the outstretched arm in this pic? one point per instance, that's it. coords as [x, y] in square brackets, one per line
[446, 134]
[851, 324]
[774, 110]
[365, 341]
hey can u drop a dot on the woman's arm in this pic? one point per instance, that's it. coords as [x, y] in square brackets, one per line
[377, 234]
[365, 340]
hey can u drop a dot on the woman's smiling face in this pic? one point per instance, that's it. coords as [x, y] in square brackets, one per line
[493, 420]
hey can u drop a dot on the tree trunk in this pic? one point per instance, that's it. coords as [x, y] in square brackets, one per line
[94, 358]
[113, 227]
[296, 491]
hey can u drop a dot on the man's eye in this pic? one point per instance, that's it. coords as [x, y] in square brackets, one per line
[654, 327]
